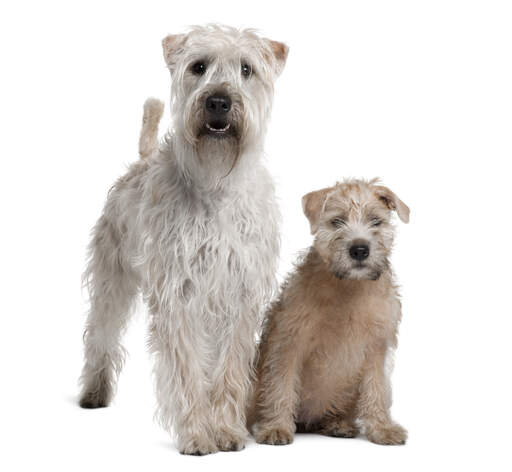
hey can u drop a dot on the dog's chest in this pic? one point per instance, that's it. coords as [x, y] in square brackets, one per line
[356, 315]
[236, 233]
[217, 250]
[339, 345]
[207, 251]
[345, 332]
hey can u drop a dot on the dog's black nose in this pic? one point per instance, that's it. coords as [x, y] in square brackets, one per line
[359, 252]
[218, 104]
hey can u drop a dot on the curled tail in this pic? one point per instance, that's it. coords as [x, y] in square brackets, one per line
[148, 141]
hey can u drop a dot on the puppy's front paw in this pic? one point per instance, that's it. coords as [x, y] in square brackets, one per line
[275, 436]
[197, 446]
[339, 428]
[392, 434]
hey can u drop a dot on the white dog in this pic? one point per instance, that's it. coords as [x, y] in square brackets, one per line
[193, 225]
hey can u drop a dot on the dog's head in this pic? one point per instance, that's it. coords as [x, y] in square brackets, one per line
[222, 88]
[352, 226]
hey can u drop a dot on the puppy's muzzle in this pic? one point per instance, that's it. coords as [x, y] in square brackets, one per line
[359, 250]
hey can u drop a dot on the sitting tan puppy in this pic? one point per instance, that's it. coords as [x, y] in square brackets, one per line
[327, 342]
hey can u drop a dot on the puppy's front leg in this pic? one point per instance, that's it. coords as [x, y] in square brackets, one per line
[277, 393]
[375, 401]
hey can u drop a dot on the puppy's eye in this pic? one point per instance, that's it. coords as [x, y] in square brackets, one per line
[337, 222]
[198, 68]
[376, 222]
[246, 70]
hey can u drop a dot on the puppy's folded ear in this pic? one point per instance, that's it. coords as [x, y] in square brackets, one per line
[393, 202]
[277, 56]
[312, 205]
[172, 46]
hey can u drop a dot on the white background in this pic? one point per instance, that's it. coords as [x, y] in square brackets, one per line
[418, 93]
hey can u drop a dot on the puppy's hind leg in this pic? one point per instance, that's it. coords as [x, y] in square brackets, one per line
[112, 289]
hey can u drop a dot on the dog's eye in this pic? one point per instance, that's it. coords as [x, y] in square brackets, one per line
[246, 70]
[198, 68]
[376, 222]
[337, 222]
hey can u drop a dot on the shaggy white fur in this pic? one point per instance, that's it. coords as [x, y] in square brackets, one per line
[194, 226]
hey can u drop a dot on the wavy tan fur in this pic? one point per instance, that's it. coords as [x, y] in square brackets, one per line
[326, 348]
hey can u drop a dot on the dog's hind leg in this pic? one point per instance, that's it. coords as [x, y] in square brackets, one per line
[112, 288]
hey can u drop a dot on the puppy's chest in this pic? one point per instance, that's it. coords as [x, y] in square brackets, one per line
[345, 332]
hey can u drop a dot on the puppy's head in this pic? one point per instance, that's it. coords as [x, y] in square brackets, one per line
[352, 226]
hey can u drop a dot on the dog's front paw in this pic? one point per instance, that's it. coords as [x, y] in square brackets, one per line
[274, 436]
[197, 446]
[227, 441]
[91, 400]
[339, 428]
[392, 434]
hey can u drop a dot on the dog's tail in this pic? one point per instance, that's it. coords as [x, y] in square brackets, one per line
[148, 141]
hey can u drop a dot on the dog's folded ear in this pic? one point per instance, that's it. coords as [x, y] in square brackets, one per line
[172, 45]
[312, 205]
[279, 53]
[393, 202]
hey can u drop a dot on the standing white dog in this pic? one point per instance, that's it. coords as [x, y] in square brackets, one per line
[194, 226]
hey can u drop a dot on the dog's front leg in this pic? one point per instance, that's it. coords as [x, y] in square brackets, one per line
[181, 382]
[232, 382]
[375, 401]
[277, 391]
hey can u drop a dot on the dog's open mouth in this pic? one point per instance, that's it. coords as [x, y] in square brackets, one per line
[218, 128]
[221, 129]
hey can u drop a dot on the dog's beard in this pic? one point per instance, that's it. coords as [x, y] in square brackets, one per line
[218, 142]
[352, 274]
[218, 153]
[358, 271]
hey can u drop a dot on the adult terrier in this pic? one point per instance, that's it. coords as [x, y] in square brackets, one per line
[328, 339]
[193, 226]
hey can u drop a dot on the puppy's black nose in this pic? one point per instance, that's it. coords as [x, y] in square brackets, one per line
[218, 104]
[359, 252]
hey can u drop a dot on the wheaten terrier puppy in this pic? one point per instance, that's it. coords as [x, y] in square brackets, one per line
[193, 226]
[327, 343]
